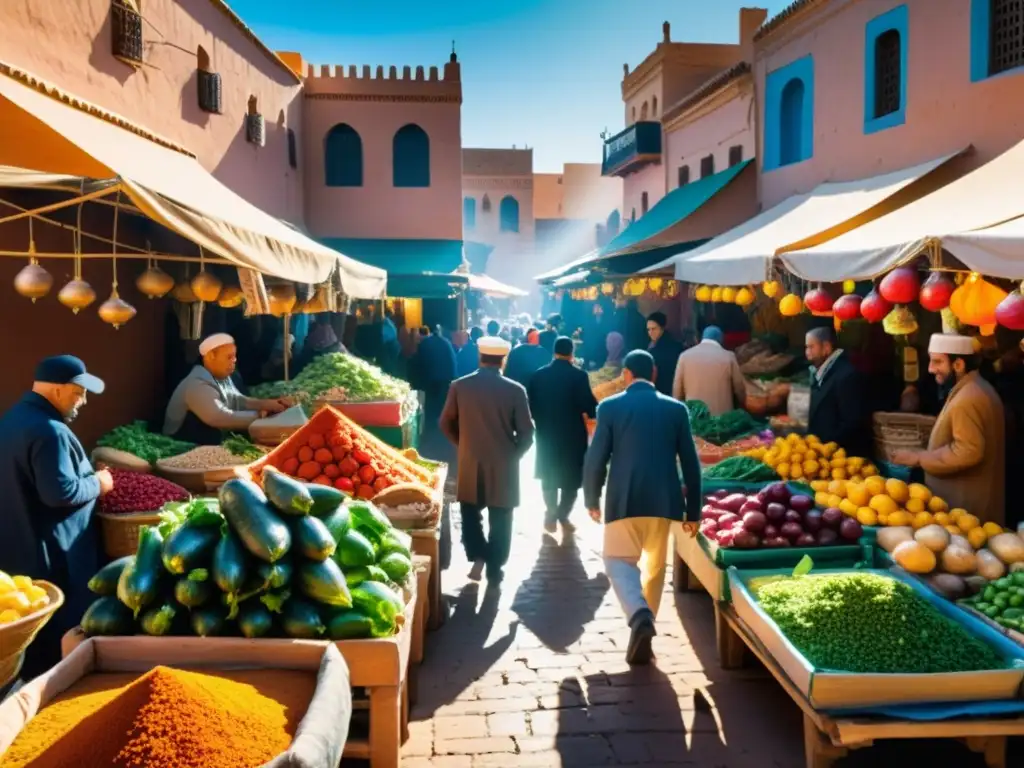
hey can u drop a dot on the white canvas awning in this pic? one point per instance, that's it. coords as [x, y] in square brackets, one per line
[962, 215]
[490, 286]
[45, 129]
[744, 254]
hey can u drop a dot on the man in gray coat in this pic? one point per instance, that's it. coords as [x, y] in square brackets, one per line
[710, 373]
[488, 417]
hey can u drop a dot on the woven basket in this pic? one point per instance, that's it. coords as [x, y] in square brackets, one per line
[121, 532]
[18, 635]
[901, 431]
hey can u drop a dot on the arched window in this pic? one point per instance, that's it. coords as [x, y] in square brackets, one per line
[888, 73]
[410, 152]
[614, 222]
[202, 59]
[293, 150]
[485, 204]
[643, 203]
[508, 212]
[791, 117]
[254, 105]
[468, 212]
[343, 157]
[207, 83]
[654, 107]
[643, 111]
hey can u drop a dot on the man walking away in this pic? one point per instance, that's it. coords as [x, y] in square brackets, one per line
[467, 359]
[838, 410]
[488, 417]
[665, 350]
[710, 373]
[551, 332]
[526, 359]
[435, 365]
[560, 400]
[639, 438]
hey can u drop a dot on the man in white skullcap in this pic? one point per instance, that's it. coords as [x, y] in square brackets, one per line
[207, 404]
[487, 416]
[965, 460]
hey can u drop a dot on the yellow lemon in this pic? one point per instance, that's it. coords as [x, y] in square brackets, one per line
[6, 583]
[840, 452]
[921, 519]
[825, 473]
[791, 305]
[8, 615]
[993, 529]
[848, 507]
[867, 516]
[918, 491]
[956, 514]
[818, 485]
[937, 504]
[968, 522]
[783, 470]
[869, 470]
[977, 537]
[837, 461]
[882, 519]
[875, 485]
[953, 530]
[15, 601]
[855, 463]
[821, 498]
[812, 455]
[885, 505]
[942, 518]
[838, 487]
[914, 506]
[899, 517]
[828, 449]
[856, 479]
[897, 490]
[858, 494]
[22, 582]
[811, 467]
[838, 474]
[796, 470]
[834, 501]
[34, 593]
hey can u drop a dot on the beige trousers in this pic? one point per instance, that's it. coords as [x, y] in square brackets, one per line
[635, 559]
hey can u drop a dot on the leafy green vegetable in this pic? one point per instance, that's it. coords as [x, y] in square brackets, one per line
[721, 429]
[741, 469]
[137, 440]
[361, 381]
[242, 447]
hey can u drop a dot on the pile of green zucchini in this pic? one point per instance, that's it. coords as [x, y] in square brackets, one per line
[285, 560]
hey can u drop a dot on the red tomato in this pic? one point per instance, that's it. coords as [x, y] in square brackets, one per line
[323, 456]
[361, 456]
[305, 454]
[348, 467]
[339, 452]
[322, 480]
[366, 492]
[332, 471]
[367, 475]
[316, 441]
[344, 484]
[381, 483]
[309, 470]
[290, 466]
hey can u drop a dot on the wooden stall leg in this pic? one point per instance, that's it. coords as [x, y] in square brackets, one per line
[405, 711]
[385, 726]
[731, 648]
[992, 748]
[819, 752]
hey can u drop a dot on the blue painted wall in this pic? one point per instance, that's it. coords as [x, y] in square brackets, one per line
[468, 212]
[897, 19]
[788, 114]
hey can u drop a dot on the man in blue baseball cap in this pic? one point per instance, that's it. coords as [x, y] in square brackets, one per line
[50, 490]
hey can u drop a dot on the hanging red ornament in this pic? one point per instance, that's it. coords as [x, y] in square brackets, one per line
[818, 301]
[900, 286]
[1010, 312]
[935, 292]
[874, 308]
[847, 307]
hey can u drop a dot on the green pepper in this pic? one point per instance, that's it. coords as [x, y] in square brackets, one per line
[990, 593]
[1018, 578]
[1001, 601]
[1017, 600]
[992, 612]
[1003, 583]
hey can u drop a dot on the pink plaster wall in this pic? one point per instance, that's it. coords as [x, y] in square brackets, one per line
[71, 48]
[587, 195]
[377, 106]
[650, 179]
[712, 133]
[945, 110]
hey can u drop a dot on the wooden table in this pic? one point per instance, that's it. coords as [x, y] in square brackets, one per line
[427, 542]
[827, 738]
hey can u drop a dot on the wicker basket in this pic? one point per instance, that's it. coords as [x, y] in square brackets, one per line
[121, 532]
[901, 431]
[18, 635]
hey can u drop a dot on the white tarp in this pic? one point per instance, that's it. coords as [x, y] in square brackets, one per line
[744, 254]
[490, 286]
[983, 198]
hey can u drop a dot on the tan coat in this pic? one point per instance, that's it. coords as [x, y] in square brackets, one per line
[965, 462]
[710, 373]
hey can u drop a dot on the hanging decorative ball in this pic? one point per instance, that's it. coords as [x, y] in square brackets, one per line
[183, 293]
[154, 283]
[703, 294]
[316, 304]
[744, 297]
[899, 322]
[791, 305]
[771, 289]
[975, 302]
[282, 299]
[936, 292]
[819, 302]
[33, 282]
[654, 284]
[206, 287]
[874, 308]
[1010, 312]
[901, 286]
[849, 286]
[716, 295]
[671, 289]
[728, 295]
[76, 295]
[116, 311]
[231, 296]
[847, 307]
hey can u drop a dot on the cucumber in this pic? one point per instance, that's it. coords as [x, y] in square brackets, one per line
[301, 620]
[326, 500]
[397, 566]
[286, 495]
[337, 522]
[312, 539]
[395, 541]
[274, 575]
[104, 582]
[189, 546]
[368, 518]
[210, 621]
[229, 563]
[158, 620]
[191, 593]
[354, 550]
[356, 576]
[260, 530]
[108, 616]
[254, 620]
[349, 625]
[325, 583]
[379, 602]
[139, 582]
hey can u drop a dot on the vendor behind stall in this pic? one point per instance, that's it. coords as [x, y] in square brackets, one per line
[965, 459]
[206, 404]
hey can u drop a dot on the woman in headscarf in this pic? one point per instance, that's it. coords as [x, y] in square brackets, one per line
[615, 345]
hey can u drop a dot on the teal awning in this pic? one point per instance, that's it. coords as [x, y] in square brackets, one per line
[426, 285]
[617, 265]
[401, 257]
[671, 210]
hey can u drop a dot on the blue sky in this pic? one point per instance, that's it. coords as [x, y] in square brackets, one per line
[539, 73]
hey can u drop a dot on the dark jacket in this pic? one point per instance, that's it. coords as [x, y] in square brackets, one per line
[666, 352]
[839, 411]
[560, 397]
[488, 417]
[467, 359]
[524, 361]
[640, 436]
[435, 361]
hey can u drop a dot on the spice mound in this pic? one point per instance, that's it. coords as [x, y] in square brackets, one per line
[168, 718]
[207, 457]
[139, 492]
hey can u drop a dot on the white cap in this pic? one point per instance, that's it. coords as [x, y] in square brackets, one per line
[493, 346]
[950, 344]
[210, 343]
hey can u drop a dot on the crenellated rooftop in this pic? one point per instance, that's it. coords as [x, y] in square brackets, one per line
[369, 83]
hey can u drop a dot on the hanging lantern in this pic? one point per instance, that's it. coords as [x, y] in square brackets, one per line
[116, 310]
[847, 307]
[849, 286]
[819, 302]
[901, 286]
[935, 292]
[874, 308]
[703, 294]
[975, 302]
[728, 295]
[791, 305]
[744, 297]
[183, 293]
[76, 295]
[671, 289]
[716, 295]
[607, 289]
[206, 287]
[231, 296]
[899, 322]
[33, 282]
[154, 282]
[1010, 312]
[771, 289]
[654, 284]
[282, 299]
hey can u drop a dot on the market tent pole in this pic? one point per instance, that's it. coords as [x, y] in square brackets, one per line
[287, 346]
[62, 204]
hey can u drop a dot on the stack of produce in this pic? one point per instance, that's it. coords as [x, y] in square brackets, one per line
[233, 452]
[360, 381]
[870, 623]
[1001, 600]
[138, 492]
[773, 518]
[167, 717]
[721, 429]
[20, 598]
[137, 440]
[287, 560]
[740, 469]
[806, 458]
